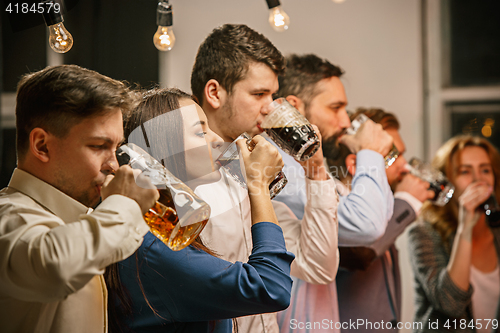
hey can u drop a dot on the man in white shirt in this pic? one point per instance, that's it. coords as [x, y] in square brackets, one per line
[234, 78]
[54, 247]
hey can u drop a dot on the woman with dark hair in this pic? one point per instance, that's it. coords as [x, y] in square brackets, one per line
[454, 250]
[192, 290]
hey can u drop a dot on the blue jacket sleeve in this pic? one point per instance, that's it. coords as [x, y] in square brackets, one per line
[363, 213]
[192, 285]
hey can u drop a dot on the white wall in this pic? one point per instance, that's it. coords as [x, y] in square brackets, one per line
[377, 43]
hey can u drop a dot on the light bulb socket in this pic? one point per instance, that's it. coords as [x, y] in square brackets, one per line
[273, 3]
[51, 17]
[164, 15]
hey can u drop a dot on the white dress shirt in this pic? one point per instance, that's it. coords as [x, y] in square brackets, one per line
[228, 233]
[363, 214]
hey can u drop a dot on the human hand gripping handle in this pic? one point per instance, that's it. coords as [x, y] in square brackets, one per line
[124, 182]
[262, 164]
[314, 167]
[369, 136]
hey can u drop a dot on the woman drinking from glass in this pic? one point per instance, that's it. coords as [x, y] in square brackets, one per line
[454, 250]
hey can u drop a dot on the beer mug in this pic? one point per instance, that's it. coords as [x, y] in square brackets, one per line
[356, 124]
[229, 161]
[441, 186]
[178, 216]
[290, 130]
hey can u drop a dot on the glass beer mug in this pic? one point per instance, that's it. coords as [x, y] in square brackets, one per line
[178, 216]
[438, 182]
[229, 161]
[356, 124]
[290, 130]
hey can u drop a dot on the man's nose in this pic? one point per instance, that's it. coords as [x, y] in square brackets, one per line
[345, 122]
[265, 109]
[110, 165]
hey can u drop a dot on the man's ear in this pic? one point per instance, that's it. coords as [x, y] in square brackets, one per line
[214, 94]
[350, 162]
[296, 103]
[39, 139]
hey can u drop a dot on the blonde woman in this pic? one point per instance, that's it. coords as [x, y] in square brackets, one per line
[454, 252]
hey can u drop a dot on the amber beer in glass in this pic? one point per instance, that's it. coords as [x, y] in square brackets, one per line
[178, 216]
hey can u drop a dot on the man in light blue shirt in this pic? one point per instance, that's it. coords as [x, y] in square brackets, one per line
[313, 86]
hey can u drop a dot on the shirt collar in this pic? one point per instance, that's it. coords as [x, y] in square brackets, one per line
[55, 201]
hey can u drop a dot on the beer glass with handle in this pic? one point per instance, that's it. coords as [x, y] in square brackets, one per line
[229, 161]
[290, 130]
[437, 180]
[356, 124]
[179, 216]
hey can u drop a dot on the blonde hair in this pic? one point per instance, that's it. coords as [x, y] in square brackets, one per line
[444, 219]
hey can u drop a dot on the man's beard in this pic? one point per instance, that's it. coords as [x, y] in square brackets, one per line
[331, 146]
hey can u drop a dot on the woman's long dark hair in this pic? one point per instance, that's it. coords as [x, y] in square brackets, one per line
[166, 137]
[155, 102]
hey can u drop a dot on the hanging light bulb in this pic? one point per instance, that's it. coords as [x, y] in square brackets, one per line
[278, 19]
[60, 40]
[338, 1]
[164, 38]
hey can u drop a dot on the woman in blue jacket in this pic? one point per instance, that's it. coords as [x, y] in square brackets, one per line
[192, 290]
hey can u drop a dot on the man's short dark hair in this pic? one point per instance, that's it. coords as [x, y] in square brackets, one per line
[226, 54]
[302, 74]
[58, 97]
